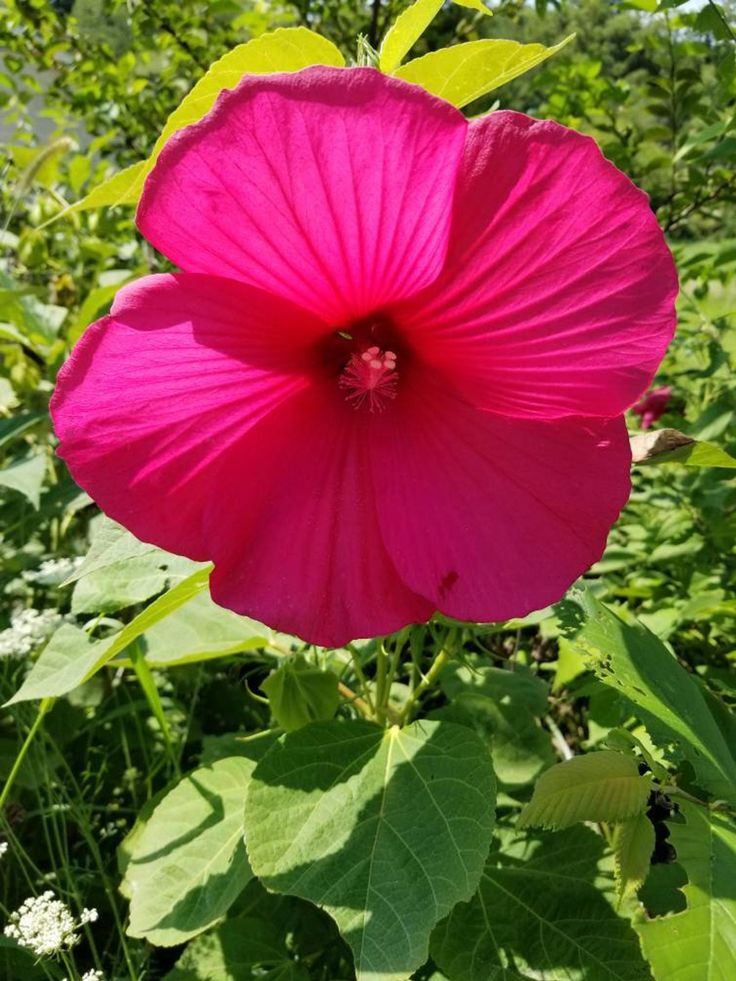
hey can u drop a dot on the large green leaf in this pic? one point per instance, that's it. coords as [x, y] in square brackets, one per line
[698, 944]
[543, 906]
[287, 49]
[634, 662]
[465, 72]
[633, 844]
[385, 829]
[200, 630]
[71, 658]
[188, 864]
[602, 786]
[409, 27]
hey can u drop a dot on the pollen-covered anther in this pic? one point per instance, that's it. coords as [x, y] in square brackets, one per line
[369, 378]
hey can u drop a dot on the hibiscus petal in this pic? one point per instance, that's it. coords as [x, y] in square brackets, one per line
[491, 516]
[558, 294]
[330, 187]
[302, 550]
[159, 392]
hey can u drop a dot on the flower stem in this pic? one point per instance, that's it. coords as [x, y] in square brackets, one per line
[44, 706]
[435, 669]
[145, 679]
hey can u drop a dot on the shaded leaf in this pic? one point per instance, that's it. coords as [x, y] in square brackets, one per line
[385, 829]
[600, 786]
[299, 694]
[465, 72]
[543, 906]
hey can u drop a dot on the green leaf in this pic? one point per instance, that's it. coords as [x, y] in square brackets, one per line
[385, 829]
[543, 906]
[633, 844]
[71, 658]
[601, 786]
[409, 27]
[26, 476]
[119, 571]
[200, 630]
[188, 863]
[465, 72]
[299, 694]
[15, 426]
[287, 49]
[671, 446]
[634, 662]
[698, 944]
[520, 687]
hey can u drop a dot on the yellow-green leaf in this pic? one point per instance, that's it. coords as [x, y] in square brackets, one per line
[601, 786]
[464, 72]
[287, 49]
[409, 27]
[633, 844]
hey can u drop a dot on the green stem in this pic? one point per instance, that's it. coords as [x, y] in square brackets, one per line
[360, 675]
[145, 678]
[43, 708]
[435, 669]
[382, 689]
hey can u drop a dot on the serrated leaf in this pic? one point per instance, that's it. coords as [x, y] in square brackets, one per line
[634, 662]
[286, 49]
[384, 829]
[633, 844]
[600, 786]
[542, 907]
[409, 27]
[464, 72]
[188, 864]
[698, 944]
[71, 658]
[299, 694]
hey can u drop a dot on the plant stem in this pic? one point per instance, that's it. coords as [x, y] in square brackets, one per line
[362, 706]
[360, 675]
[43, 708]
[143, 673]
[382, 689]
[435, 669]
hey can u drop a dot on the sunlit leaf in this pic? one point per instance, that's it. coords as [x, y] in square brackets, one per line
[464, 72]
[409, 27]
[671, 446]
[600, 786]
[698, 944]
[188, 863]
[386, 830]
[633, 844]
[26, 476]
[634, 662]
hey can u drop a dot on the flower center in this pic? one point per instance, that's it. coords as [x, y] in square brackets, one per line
[369, 378]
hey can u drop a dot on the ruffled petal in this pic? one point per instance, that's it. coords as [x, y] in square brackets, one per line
[301, 550]
[330, 187]
[489, 516]
[558, 294]
[158, 393]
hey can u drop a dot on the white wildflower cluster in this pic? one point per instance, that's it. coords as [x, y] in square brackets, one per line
[43, 924]
[52, 572]
[28, 630]
[3, 848]
[93, 976]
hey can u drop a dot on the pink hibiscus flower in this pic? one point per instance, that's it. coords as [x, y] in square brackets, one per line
[653, 405]
[391, 376]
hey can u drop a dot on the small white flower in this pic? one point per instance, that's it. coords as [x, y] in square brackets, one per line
[43, 924]
[93, 976]
[28, 630]
[3, 848]
[52, 572]
[88, 916]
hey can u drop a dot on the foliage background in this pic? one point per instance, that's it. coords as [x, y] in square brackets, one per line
[85, 88]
